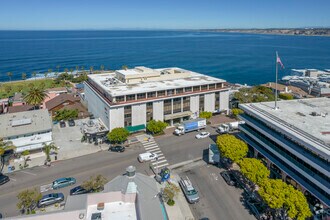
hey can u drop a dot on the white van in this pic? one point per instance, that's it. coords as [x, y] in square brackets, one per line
[147, 157]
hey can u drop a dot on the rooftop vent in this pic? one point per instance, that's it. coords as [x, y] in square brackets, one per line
[315, 114]
[130, 171]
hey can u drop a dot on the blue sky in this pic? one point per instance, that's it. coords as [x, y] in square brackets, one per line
[164, 14]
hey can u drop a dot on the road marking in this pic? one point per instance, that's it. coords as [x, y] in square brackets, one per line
[45, 188]
[159, 154]
[27, 172]
[147, 144]
[13, 179]
[161, 157]
[161, 161]
[156, 150]
[162, 165]
[149, 148]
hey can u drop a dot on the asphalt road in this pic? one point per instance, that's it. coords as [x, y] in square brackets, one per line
[218, 201]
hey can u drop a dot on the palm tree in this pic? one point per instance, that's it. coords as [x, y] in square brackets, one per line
[124, 67]
[66, 70]
[34, 74]
[23, 76]
[35, 96]
[4, 146]
[91, 69]
[58, 68]
[102, 68]
[10, 74]
[47, 149]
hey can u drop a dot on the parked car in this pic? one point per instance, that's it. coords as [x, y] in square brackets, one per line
[79, 190]
[147, 157]
[229, 177]
[203, 134]
[117, 149]
[63, 182]
[62, 124]
[71, 123]
[50, 199]
[189, 191]
[3, 179]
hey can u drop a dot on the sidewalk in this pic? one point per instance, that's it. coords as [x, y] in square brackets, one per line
[181, 208]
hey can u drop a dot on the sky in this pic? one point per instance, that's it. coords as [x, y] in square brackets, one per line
[164, 14]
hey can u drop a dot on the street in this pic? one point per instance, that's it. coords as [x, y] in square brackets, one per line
[217, 199]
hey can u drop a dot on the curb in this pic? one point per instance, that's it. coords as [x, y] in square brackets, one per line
[184, 163]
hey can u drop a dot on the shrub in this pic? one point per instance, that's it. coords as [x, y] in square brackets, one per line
[170, 202]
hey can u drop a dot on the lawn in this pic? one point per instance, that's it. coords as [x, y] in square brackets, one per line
[9, 89]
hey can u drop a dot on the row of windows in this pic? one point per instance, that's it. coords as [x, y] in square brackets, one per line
[169, 92]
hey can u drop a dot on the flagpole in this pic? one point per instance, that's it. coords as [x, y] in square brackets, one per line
[276, 81]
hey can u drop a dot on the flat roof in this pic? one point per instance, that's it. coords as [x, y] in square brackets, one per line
[20, 123]
[119, 88]
[307, 119]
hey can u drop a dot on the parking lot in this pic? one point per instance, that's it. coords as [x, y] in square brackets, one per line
[217, 199]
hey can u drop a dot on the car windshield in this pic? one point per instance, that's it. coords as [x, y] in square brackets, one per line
[191, 192]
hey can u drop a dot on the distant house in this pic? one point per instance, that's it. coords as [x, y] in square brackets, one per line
[295, 91]
[66, 101]
[17, 99]
[20, 108]
[27, 130]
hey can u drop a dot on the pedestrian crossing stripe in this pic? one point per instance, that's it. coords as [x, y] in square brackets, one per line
[162, 165]
[159, 162]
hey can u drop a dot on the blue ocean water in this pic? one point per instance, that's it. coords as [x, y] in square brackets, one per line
[237, 58]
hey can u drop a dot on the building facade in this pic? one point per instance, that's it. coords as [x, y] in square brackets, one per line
[132, 97]
[293, 141]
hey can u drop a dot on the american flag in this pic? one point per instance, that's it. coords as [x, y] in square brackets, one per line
[278, 60]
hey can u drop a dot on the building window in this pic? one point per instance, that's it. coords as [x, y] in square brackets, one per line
[219, 85]
[127, 115]
[197, 88]
[120, 98]
[141, 96]
[151, 94]
[201, 103]
[188, 89]
[149, 111]
[170, 92]
[217, 101]
[130, 97]
[186, 103]
[179, 91]
[176, 105]
[161, 93]
[168, 107]
[212, 86]
[204, 87]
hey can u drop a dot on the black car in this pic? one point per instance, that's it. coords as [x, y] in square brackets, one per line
[62, 124]
[229, 178]
[117, 149]
[3, 179]
[79, 190]
[71, 123]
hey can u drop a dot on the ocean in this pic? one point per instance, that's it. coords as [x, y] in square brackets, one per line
[235, 57]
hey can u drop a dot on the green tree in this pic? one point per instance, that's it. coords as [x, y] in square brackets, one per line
[236, 111]
[285, 96]
[10, 74]
[156, 127]
[66, 70]
[124, 67]
[206, 115]
[23, 76]
[254, 170]
[5, 146]
[95, 183]
[25, 157]
[254, 94]
[48, 149]
[281, 196]
[65, 114]
[28, 199]
[118, 135]
[102, 68]
[91, 69]
[232, 147]
[34, 74]
[35, 96]
[170, 192]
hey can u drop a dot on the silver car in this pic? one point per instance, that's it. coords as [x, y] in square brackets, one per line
[189, 191]
[50, 199]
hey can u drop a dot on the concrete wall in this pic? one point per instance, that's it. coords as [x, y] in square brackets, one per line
[194, 103]
[139, 114]
[158, 110]
[224, 100]
[116, 117]
[209, 101]
[97, 106]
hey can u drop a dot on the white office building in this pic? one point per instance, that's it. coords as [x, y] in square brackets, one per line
[132, 97]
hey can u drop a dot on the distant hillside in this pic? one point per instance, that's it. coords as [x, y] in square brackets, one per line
[289, 31]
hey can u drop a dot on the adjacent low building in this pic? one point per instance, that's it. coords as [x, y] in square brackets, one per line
[27, 130]
[132, 97]
[294, 142]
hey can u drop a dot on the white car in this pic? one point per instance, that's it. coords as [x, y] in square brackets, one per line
[203, 134]
[147, 157]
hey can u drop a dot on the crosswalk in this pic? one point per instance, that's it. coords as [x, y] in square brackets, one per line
[151, 146]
